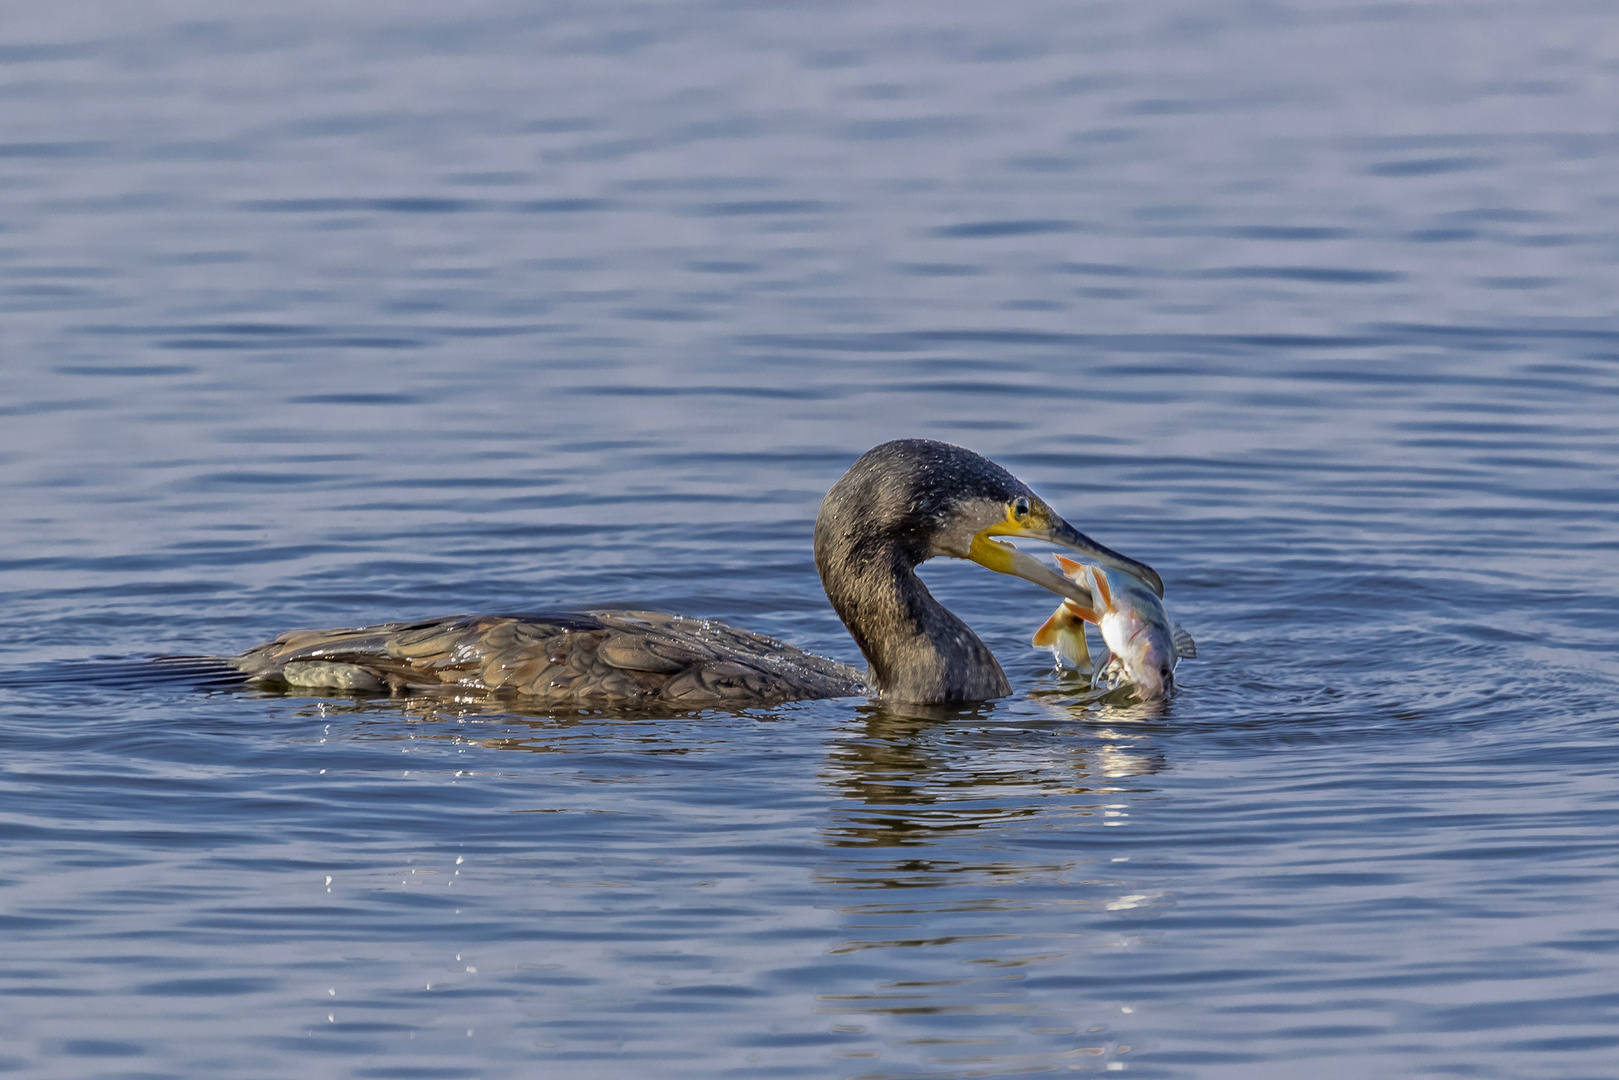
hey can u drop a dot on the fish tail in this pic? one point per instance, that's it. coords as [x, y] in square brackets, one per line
[1064, 632]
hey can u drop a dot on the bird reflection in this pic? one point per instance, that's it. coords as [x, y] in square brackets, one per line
[981, 842]
[908, 776]
[919, 773]
[465, 722]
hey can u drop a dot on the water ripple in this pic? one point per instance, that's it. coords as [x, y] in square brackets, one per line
[504, 309]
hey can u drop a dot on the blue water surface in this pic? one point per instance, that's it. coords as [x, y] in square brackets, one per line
[318, 315]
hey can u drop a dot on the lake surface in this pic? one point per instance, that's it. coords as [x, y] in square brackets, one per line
[319, 317]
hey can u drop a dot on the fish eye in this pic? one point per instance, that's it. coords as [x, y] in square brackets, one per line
[1020, 507]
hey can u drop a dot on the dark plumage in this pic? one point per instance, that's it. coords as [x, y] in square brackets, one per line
[900, 504]
[580, 658]
[876, 525]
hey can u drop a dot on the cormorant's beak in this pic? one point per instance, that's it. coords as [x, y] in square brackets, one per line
[1060, 532]
[1006, 559]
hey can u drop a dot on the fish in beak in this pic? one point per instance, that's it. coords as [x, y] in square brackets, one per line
[1030, 518]
[1144, 644]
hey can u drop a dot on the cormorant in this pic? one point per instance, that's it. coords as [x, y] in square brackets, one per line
[900, 504]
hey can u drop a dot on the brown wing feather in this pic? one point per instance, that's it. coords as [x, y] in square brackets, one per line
[589, 658]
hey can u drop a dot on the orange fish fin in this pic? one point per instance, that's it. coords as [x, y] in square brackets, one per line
[1065, 634]
[1099, 588]
[1047, 634]
[1079, 612]
[1069, 566]
[1073, 647]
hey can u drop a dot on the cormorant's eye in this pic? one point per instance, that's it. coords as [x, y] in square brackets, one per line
[1020, 507]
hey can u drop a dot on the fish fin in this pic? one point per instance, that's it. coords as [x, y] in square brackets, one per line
[1073, 647]
[1079, 573]
[1065, 634]
[1083, 613]
[1047, 634]
[1099, 589]
[1185, 647]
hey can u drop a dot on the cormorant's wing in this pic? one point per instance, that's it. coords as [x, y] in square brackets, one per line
[594, 658]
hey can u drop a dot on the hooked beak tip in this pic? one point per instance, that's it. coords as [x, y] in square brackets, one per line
[1070, 537]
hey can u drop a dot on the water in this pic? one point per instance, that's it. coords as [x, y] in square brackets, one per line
[316, 317]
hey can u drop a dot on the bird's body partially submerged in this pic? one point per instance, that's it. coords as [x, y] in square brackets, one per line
[579, 659]
[902, 503]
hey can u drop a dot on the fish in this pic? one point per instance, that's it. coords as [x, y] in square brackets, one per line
[1144, 644]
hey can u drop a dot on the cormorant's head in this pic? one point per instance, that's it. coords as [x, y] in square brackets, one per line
[931, 498]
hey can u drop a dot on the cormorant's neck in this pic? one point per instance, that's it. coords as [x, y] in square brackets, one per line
[918, 650]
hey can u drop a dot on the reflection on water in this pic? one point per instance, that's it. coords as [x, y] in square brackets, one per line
[971, 823]
[917, 773]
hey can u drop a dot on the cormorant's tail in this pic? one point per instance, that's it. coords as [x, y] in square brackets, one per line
[197, 672]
